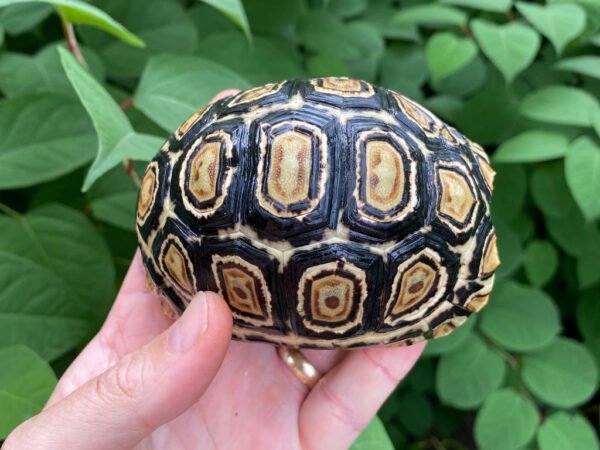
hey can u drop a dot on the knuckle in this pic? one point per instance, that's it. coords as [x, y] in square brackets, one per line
[123, 381]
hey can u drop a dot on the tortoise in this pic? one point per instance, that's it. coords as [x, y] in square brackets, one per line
[328, 212]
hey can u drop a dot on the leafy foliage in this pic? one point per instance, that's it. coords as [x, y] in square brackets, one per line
[522, 78]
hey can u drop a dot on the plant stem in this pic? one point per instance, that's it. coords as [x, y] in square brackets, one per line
[69, 33]
[128, 166]
[9, 211]
[126, 104]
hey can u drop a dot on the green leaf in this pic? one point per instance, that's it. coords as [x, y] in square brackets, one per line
[18, 18]
[21, 74]
[505, 410]
[587, 264]
[172, 88]
[235, 11]
[582, 170]
[584, 65]
[561, 105]
[560, 23]
[82, 13]
[63, 241]
[453, 341]
[260, 62]
[42, 138]
[564, 431]
[415, 413]
[550, 191]
[465, 378]
[541, 262]
[26, 382]
[562, 375]
[430, 15]
[484, 5]
[509, 249]
[113, 199]
[373, 437]
[588, 316]
[323, 65]
[38, 309]
[347, 8]
[512, 47]
[532, 146]
[572, 233]
[162, 24]
[322, 32]
[116, 139]
[520, 318]
[273, 16]
[447, 53]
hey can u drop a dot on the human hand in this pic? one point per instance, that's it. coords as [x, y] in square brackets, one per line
[145, 382]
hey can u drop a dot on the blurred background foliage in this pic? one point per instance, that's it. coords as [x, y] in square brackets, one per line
[520, 78]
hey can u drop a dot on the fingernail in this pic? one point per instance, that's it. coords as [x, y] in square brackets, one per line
[190, 326]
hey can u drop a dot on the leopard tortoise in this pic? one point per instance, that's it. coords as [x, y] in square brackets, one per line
[328, 212]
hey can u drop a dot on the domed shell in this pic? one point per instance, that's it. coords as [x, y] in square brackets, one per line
[328, 212]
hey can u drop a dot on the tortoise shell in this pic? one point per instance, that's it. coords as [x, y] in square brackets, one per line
[328, 212]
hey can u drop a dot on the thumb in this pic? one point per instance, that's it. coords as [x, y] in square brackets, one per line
[144, 390]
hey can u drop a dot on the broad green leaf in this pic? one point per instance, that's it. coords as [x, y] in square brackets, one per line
[41, 138]
[484, 5]
[371, 47]
[323, 65]
[584, 65]
[453, 341]
[21, 74]
[404, 69]
[502, 411]
[38, 309]
[582, 170]
[465, 81]
[465, 378]
[260, 62]
[532, 146]
[541, 262]
[172, 88]
[117, 140]
[347, 8]
[550, 191]
[79, 12]
[560, 23]
[373, 437]
[564, 431]
[162, 24]
[512, 48]
[561, 105]
[208, 21]
[572, 233]
[18, 18]
[26, 382]
[415, 413]
[113, 199]
[447, 53]
[273, 16]
[509, 249]
[520, 318]
[63, 241]
[322, 32]
[430, 15]
[235, 11]
[562, 375]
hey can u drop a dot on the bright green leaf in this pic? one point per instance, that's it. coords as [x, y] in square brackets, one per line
[564, 431]
[373, 437]
[75, 11]
[561, 105]
[430, 15]
[447, 53]
[42, 138]
[541, 262]
[484, 5]
[520, 318]
[562, 375]
[172, 88]
[532, 146]
[582, 170]
[505, 410]
[512, 47]
[465, 378]
[234, 9]
[560, 23]
[584, 65]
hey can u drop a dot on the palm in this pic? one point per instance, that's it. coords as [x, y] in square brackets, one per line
[254, 401]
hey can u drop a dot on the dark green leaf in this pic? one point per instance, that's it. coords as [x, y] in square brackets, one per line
[550, 191]
[467, 377]
[113, 199]
[235, 11]
[562, 375]
[541, 262]
[430, 15]
[415, 413]
[18, 18]
[172, 88]
[347, 8]
[453, 341]
[512, 47]
[323, 65]
[321, 32]
[564, 431]
[520, 318]
[373, 437]
[41, 138]
[582, 170]
[273, 16]
[533, 145]
[502, 411]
